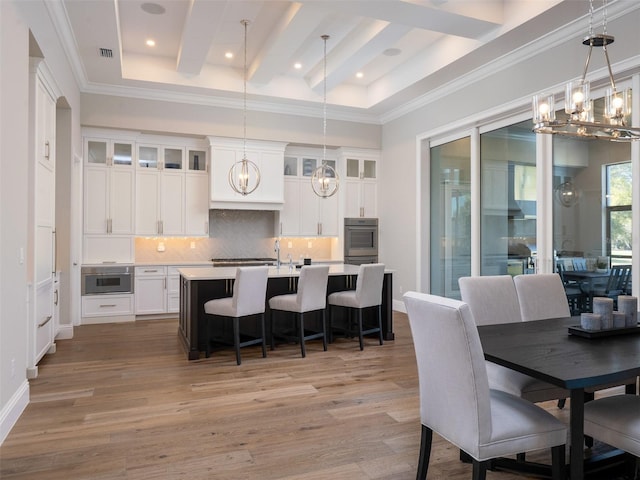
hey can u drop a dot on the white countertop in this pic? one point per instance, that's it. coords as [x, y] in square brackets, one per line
[221, 273]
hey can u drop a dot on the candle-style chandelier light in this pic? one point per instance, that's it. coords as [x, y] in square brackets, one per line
[324, 180]
[580, 121]
[244, 175]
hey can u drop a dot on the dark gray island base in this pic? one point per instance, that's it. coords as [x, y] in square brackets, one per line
[198, 285]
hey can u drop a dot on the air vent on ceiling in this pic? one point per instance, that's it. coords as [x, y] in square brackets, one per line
[106, 52]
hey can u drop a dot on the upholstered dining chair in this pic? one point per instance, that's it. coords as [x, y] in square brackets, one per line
[248, 299]
[368, 294]
[455, 399]
[311, 296]
[541, 296]
[615, 421]
[493, 299]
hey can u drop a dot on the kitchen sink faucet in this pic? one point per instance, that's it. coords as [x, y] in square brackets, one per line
[277, 250]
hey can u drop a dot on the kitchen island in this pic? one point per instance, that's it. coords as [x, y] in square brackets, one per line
[201, 284]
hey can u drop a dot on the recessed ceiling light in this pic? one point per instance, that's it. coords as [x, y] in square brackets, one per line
[151, 43]
[359, 75]
[153, 8]
[297, 65]
[392, 52]
[228, 55]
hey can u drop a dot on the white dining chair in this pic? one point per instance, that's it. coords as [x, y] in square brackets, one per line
[493, 299]
[541, 296]
[310, 297]
[248, 299]
[615, 421]
[368, 294]
[455, 399]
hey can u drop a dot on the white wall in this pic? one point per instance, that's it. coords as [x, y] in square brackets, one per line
[17, 20]
[14, 42]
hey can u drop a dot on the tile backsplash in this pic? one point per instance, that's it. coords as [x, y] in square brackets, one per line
[233, 234]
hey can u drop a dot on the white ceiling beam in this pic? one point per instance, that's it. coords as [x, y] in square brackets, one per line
[200, 27]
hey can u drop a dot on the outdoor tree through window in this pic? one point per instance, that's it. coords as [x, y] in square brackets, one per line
[618, 211]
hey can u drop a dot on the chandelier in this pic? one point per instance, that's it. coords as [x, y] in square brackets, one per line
[579, 108]
[324, 180]
[244, 175]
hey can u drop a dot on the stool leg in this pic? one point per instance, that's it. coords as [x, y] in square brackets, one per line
[380, 322]
[236, 338]
[301, 323]
[207, 334]
[272, 341]
[324, 331]
[264, 340]
[360, 329]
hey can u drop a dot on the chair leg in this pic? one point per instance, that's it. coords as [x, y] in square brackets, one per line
[264, 333]
[479, 470]
[561, 403]
[236, 338]
[360, 337]
[425, 453]
[324, 331]
[557, 462]
[301, 323]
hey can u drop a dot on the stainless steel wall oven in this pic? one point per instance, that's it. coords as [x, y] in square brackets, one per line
[105, 280]
[360, 240]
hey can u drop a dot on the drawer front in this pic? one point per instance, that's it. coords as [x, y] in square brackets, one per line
[107, 305]
[151, 271]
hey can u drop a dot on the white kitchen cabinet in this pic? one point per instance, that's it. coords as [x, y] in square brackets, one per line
[173, 290]
[268, 156]
[160, 194]
[150, 290]
[97, 306]
[196, 204]
[41, 213]
[304, 213]
[360, 181]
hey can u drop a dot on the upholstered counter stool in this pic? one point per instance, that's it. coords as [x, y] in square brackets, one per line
[311, 296]
[368, 294]
[248, 299]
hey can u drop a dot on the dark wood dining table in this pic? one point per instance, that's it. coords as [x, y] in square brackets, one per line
[545, 350]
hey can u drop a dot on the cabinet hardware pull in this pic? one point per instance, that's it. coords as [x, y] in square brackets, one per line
[107, 305]
[45, 321]
[149, 271]
[55, 296]
[46, 149]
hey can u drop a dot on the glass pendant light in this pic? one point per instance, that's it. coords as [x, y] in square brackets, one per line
[580, 121]
[324, 180]
[244, 175]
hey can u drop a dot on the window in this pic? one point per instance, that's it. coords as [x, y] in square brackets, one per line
[618, 212]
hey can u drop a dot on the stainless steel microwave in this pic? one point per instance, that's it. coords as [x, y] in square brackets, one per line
[105, 280]
[360, 237]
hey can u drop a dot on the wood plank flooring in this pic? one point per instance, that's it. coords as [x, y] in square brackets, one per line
[120, 401]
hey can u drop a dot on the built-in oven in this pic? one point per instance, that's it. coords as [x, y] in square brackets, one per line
[107, 279]
[360, 240]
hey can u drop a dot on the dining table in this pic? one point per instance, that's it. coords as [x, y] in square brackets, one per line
[544, 349]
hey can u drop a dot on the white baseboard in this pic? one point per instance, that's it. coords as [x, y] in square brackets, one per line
[109, 319]
[65, 332]
[11, 412]
[398, 306]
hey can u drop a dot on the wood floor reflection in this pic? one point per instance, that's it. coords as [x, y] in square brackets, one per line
[120, 401]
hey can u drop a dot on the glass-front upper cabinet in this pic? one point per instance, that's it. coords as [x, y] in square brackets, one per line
[197, 161]
[291, 166]
[107, 152]
[173, 158]
[357, 168]
[148, 157]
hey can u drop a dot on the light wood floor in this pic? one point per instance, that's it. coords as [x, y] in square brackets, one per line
[120, 401]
